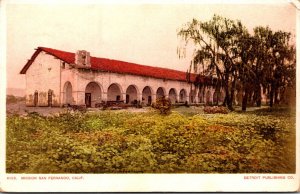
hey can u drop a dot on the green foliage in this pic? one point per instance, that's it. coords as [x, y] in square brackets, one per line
[163, 104]
[122, 142]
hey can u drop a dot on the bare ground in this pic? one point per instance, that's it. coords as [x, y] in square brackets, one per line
[21, 109]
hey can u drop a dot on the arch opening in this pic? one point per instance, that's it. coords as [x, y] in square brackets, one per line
[93, 94]
[147, 96]
[131, 95]
[160, 92]
[173, 95]
[67, 97]
[114, 93]
[182, 96]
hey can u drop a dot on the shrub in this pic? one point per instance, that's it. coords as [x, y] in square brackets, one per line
[163, 104]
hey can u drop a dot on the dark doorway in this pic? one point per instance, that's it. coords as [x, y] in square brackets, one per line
[36, 98]
[149, 100]
[118, 98]
[88, 99]
[127, 98]
[50, 94]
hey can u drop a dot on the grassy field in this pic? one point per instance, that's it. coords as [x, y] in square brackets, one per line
[185, 141]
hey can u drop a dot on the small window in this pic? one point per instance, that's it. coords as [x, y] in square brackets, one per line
[63, 65]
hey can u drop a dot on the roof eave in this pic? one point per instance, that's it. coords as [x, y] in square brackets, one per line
[30, 61]
[33, 57]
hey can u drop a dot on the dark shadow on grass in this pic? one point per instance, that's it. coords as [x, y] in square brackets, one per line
[274, 111]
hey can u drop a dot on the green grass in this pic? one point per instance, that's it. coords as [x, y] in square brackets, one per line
[185, 141]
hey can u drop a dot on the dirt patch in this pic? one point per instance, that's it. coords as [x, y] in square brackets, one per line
[21, 109]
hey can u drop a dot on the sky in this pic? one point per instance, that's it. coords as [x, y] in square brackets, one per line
[133, 32]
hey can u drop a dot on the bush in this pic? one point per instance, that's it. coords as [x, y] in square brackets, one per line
[163, 104]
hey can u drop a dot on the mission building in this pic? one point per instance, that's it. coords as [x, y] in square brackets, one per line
[56, 78]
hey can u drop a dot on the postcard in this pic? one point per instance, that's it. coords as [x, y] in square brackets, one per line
[149, 96]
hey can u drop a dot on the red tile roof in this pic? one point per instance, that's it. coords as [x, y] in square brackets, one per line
[115, 66]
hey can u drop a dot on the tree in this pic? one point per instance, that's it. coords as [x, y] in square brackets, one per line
[245, 65]
[275, 61]
[216, 55]
[242, 62]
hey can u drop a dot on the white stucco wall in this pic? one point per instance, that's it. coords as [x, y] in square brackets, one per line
[43, 75]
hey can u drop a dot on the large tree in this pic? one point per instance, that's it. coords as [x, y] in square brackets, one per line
[216, 50]
[275, 62]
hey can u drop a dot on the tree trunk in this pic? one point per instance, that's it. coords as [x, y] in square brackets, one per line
[271, 96]
[245, 99]
[258, 95]
[227, 100]
[231, 96]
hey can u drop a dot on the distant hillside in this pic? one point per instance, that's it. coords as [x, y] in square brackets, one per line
[15, 91]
